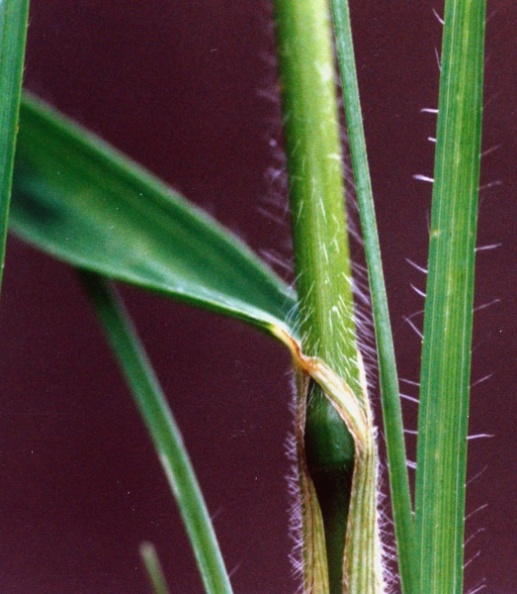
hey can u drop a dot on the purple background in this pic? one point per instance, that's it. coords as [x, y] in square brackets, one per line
[181, 87]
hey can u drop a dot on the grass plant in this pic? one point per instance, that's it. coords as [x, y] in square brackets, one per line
[107, 217]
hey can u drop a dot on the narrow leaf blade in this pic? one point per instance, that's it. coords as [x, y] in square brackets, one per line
[13, 32]
[166, 436]
[80, 200]
[153, 568]
[391, 407]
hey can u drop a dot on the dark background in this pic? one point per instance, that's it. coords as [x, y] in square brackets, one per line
[184, 87]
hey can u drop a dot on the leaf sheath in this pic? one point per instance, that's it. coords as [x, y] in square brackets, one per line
[322, 262]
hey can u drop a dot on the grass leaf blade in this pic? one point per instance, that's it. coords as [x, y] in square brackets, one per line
[165, 434]
[153, 568]
[391, 408]
[446, 356]
[13, 33]
[80, 200]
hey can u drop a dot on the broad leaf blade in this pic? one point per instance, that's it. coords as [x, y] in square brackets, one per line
[80, 200]
[446, 356]
[13, 29]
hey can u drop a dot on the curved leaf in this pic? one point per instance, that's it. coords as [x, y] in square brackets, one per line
[165, 434]
[82, 201]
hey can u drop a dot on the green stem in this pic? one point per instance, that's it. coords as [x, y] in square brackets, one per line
[446, 355]
[391, 408]
[322, 263]
[165, 433]
[13, 33]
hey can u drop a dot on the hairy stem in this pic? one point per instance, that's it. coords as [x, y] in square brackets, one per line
[322, 262]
